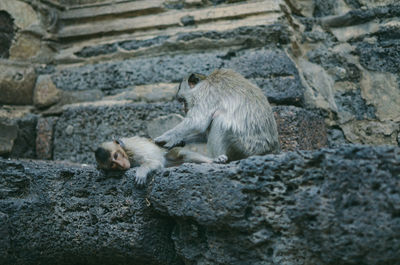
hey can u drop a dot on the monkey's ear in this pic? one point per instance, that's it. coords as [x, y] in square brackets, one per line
[194, 79]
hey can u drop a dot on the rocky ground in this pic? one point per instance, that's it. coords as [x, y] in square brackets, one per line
[74, 73]
[331, 206]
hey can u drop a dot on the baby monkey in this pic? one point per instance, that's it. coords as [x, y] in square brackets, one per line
[124, 153]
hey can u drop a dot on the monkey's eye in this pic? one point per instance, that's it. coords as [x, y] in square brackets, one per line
[116, 156]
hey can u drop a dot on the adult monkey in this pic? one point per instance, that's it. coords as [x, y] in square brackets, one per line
[234, 113]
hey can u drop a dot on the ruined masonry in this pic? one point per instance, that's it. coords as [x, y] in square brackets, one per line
[74, 73]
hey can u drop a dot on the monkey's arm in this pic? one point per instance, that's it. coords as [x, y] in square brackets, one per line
[196, 122]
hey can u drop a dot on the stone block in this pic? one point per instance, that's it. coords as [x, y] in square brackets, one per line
[8, 134]
[18, 132]
[371, 132]
[271, 69]
[22, 13]
[81, 127]
[148, 93]
[381, 90]
[329, 206]
[16, 84]
[300, 129]
[44, 137]
[25, 46]
[55, 213]
[45, 93]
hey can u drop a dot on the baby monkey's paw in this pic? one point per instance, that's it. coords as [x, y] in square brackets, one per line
[222, 159]
[141, 176]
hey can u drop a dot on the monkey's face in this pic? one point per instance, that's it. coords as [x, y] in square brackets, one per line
[111, 155]
[187, 89]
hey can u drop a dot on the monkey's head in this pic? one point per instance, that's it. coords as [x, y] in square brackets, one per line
[187, 89]
[111, 155]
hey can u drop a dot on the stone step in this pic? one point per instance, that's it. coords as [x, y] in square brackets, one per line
[336, 205]
[133, 8]
[50, 212]
[171, 18]
[254, 31]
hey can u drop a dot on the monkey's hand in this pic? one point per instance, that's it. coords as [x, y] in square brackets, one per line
[169, 142]
[222, 159]
[141, 175]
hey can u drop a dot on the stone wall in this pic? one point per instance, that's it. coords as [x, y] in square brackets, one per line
[333, 59]
[74, 73]
[330, 206]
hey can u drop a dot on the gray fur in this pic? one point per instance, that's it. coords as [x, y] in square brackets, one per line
[234, 113]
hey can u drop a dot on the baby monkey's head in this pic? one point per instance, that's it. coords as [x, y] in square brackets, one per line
[111, 155]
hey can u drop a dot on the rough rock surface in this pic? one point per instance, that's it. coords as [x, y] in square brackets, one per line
[16, 84]
[82, 127]
[329, 68]
[18, 132]
[272, 70]
[53, 213]
[330, 206]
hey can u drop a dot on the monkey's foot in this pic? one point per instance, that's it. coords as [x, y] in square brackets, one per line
[222, 159]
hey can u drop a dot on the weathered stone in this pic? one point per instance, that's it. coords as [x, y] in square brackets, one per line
[16, 84]
[375, 3]
[97, 50]
[7, 32]
[361, 15]
[120, 75]
[272, 70]
[319, 89]
[69, 97]
[22, 13]
[8, 134]
[383, 92]
[54, 213]
[44, 137]
[148, 93]
[45, 93]
[331, 206]
[382, 55]
[24, 144]
[169, 19]
[371, 132]
[188, 20]
[25, 46]
[351, 105]
[302, 7]
[338, 62]
[93, 123]
[300, 129]
[19, 131]
[351, 32]
[138, 8]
